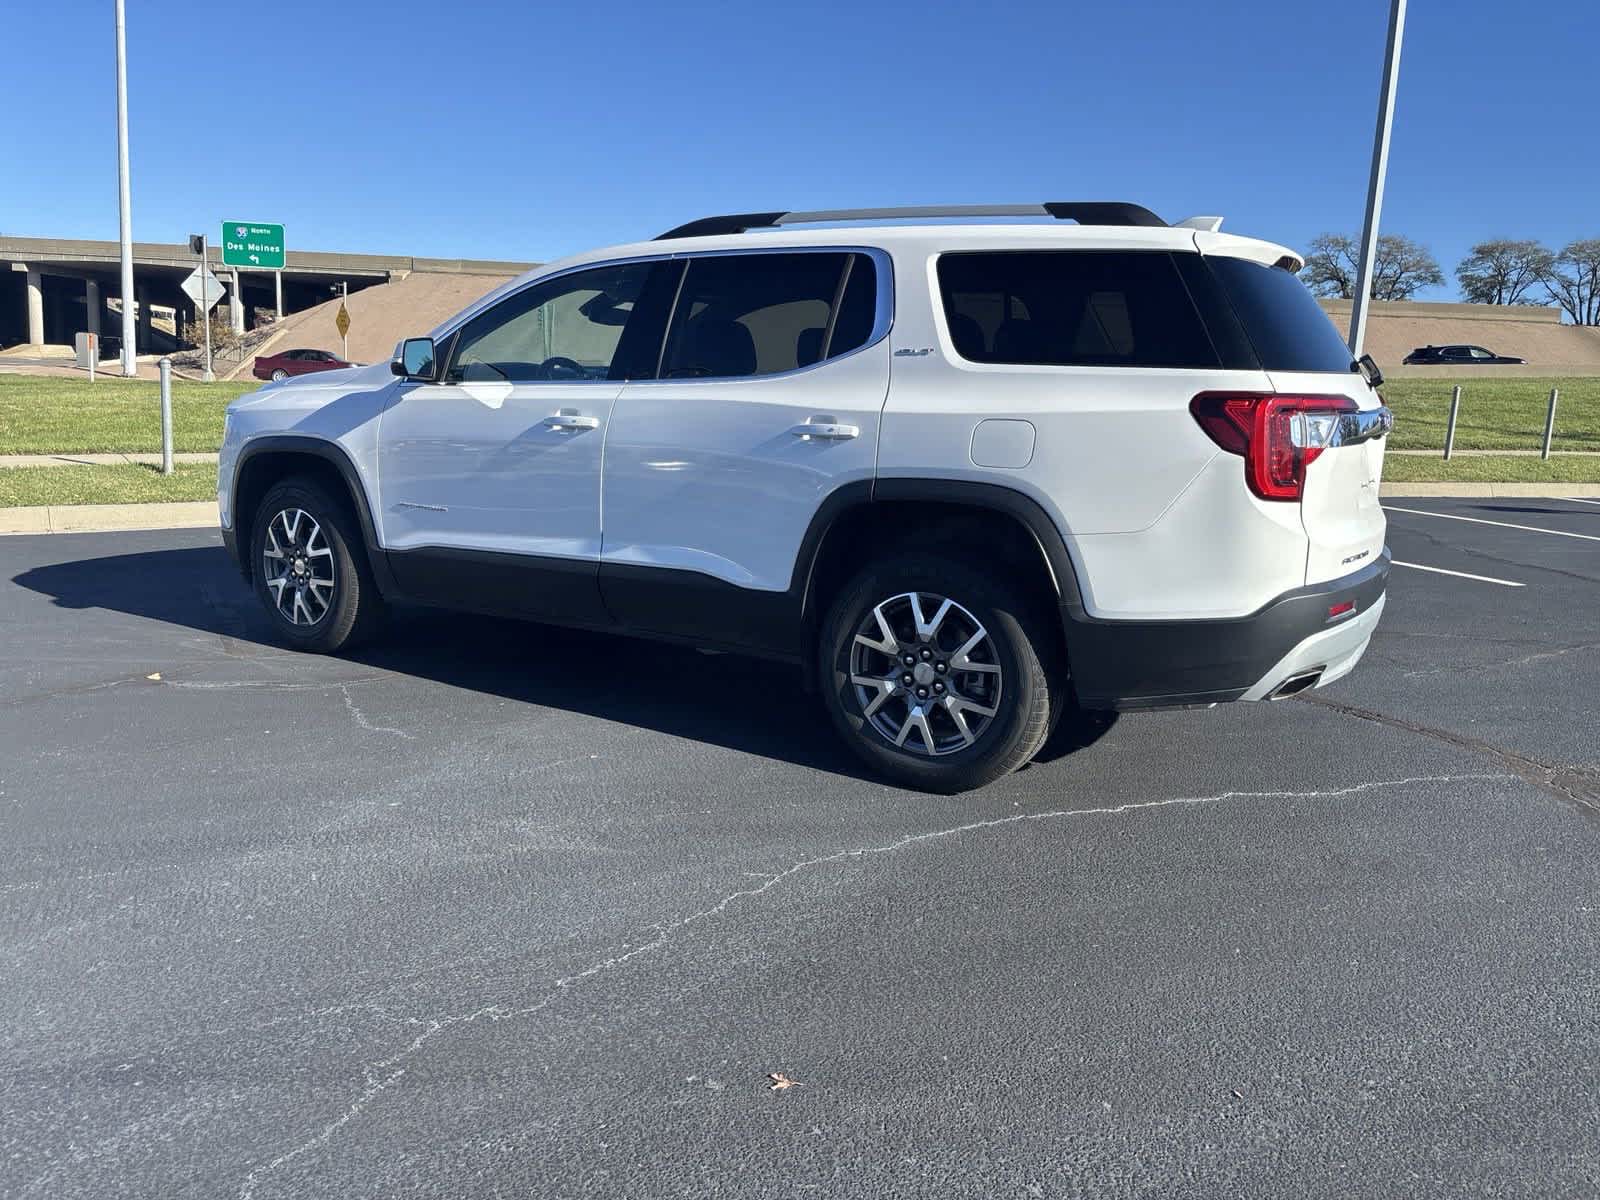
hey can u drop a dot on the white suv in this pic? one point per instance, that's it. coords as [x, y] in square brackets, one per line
[964, 474]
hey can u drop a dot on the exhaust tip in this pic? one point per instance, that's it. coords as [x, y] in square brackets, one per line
[1296, 684]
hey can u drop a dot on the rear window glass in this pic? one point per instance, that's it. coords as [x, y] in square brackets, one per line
[761, 314]
[1284, 322]
[1072, 308]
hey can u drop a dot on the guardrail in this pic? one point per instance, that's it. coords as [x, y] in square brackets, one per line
[1455, 412]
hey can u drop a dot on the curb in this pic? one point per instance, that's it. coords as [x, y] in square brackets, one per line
[23, 462]
[1493, 491]
[107, 518]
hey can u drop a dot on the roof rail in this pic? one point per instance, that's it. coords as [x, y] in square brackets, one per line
[1084, 212]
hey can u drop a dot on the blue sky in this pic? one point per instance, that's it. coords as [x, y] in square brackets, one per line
[529, 130]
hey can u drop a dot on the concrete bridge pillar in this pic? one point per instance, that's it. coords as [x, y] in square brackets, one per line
[236, 305]
[91, 302]
[143, 333]
[35, 309]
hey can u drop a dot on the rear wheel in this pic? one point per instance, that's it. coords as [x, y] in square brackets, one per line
[935, 674]
[310, 568]
[279, 375]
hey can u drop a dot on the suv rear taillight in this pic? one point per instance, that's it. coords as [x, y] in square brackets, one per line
[1278, 436]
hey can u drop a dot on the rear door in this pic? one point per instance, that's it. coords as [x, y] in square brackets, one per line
[769, 393]
[1303, 355]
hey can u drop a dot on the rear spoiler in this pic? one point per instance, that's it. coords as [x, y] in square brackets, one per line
[1268, 254]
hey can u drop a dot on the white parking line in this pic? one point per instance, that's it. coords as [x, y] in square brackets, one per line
[1459, 574]
[1583, 537]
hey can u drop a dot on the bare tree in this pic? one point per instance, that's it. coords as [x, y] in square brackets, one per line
[1573, 280]
[1503, 271]
[1402, 269]
[1330, 268]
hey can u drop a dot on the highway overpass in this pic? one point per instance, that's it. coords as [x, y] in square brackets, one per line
[53, 288]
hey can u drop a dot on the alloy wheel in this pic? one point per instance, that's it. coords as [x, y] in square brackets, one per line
[928, 684]
[297, 565]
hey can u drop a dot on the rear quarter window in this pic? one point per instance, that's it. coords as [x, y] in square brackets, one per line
[1283, 321]
[1094, 308]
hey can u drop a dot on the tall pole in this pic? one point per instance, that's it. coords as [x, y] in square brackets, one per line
[205, 302]
[125, 201]
[1380, 169]
[344, 294]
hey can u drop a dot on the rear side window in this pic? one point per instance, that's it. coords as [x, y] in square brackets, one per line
[761, 314]
[1093, 308]
[1287, 327]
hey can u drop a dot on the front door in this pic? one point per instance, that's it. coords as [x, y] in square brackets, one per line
[489, 480]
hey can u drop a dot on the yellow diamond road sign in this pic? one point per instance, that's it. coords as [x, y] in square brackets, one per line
[342, 321]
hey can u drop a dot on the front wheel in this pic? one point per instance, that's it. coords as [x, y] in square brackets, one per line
[310, 568]
[935, 674]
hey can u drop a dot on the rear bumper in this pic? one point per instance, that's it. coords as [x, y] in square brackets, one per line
[1169, 664]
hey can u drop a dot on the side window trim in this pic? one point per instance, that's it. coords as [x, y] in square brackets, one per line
[833, 308]
[883, 308]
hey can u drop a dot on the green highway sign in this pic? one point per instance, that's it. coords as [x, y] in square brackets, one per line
[247, 244]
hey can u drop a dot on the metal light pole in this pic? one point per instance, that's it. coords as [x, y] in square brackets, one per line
[205, 303]
[125, 202]
[1380, 169]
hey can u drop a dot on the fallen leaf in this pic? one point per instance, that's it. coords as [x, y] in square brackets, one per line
[156, 676]
[781, 1081]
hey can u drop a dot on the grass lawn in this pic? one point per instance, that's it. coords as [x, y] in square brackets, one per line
[105, 485]
[1496, 414]
[1490, 468]
[47, 415]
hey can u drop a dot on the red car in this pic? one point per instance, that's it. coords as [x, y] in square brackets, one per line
[295, 362]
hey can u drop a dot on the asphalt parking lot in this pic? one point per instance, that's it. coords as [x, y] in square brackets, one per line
[496, 910]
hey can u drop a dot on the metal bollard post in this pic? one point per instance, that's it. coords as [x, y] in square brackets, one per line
[1550, 422]
[1450, 429]
[166, 416]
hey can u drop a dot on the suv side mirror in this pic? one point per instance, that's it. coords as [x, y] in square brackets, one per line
[1367, 366]
[416, 360]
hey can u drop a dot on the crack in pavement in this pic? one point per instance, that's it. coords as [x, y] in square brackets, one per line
[1441, 543]
[383, 1074]
[361, 717]
[1578, 786]
[1468, 668]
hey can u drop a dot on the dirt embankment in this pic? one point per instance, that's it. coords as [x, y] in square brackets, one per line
[1536, 334]
[382, 315]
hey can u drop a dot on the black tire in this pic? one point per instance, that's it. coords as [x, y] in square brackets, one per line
[355, 612]
[1019, 645]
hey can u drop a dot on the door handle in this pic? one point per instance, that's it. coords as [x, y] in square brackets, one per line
[570, 422]
[825, 431]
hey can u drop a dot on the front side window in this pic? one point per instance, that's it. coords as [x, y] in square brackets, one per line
[566, 330]
[760, 314]
[1072, 308]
